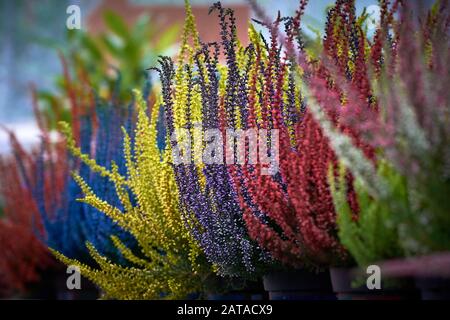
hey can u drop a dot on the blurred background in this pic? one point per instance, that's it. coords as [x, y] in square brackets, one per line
[126, 34]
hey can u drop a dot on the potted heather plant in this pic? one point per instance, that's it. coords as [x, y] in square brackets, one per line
[291, 214]
[352, 74]
[399, 191]
[63, 221]
[57, 219]
[23, 256]
[167, 263]
[198, 95]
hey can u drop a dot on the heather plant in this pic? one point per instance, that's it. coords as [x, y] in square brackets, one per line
[23, 256]
[200, 94]
[360, 221]
[169, 263]
[401, 191]
[66, 221]
[292, 214]
[57, 219]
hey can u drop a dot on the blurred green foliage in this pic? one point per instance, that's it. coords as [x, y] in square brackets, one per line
[93, 62]
[374, 235]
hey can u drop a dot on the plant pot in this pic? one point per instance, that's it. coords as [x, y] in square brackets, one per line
[235, 289]
[434, 288]
[52, 286]
[88, 291]
[298, 285]
[237, 295]
[344, 279]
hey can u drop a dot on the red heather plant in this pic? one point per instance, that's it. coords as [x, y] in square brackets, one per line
[292, 214]
[23, 256]
[300, 205]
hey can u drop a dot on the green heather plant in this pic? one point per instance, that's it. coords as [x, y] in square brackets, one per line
[371, 234]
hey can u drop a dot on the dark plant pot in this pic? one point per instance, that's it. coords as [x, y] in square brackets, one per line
[434, 288]
[298, 285]
[52, 286]
[234, 289]
[88, 291]
[235, 296]
[343, 280]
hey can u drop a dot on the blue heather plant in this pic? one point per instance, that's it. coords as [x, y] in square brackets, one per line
[69, 223]
[75, 222]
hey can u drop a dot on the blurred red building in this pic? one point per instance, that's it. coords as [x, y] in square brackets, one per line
[166, 15]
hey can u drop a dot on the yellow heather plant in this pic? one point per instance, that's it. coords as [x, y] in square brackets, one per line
[170, 264]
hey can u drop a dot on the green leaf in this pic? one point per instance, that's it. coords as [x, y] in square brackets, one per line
[89, 44]
[114, 47]
[168, 38]
[143, 30]
[116, 24]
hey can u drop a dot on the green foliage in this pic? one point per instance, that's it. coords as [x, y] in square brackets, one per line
[371, 234]
[424, 226]
[92, 60]
[406, 220]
